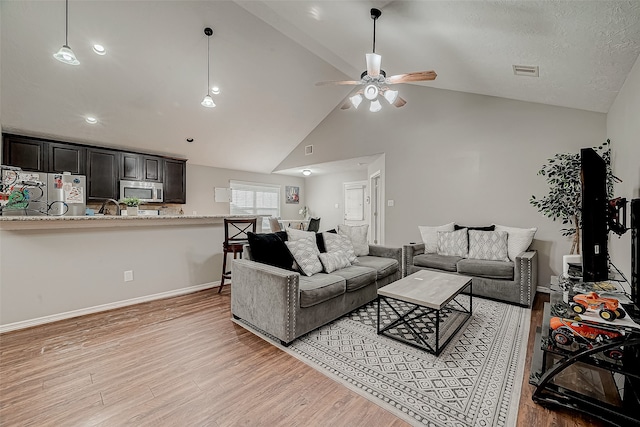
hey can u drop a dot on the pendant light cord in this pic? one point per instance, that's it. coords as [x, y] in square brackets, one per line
[66, 24]
[374, 34]
[208, 60]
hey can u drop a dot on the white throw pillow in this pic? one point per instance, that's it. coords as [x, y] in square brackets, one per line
[294, 234]
[358, 236]
[518, 239]
[453, 243]
[337, 242]
[430, 236]
[305, 252]
[333, 261]
[489, 245]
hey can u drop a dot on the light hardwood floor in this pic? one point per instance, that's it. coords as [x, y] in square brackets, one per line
[181, 361]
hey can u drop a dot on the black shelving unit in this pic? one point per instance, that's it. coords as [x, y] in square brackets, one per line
[599, 376]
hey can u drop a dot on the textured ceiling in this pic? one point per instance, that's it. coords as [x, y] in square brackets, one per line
[266, 57]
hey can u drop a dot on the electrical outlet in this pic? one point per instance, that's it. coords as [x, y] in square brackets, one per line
[128, 276]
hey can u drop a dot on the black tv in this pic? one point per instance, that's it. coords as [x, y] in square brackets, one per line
[595, 234]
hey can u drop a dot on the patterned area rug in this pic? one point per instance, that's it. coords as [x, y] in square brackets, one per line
[475, 381]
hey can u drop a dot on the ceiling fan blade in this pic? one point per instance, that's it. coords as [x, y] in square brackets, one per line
[417, 76]
[346, 105]
[339, 82]
[373, 64]
[399, 102]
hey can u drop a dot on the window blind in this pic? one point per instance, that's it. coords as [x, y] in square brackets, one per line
[249, 198]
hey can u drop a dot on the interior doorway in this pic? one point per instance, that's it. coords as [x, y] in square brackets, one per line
[355, 201]
[376, 209]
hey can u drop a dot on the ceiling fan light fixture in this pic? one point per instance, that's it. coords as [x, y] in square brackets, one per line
[373, 64]
[208, 102]
[371, 92]
[375, 106]
[390, 95]
[356, 100]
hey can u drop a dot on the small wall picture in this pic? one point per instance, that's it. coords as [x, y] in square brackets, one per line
[293, 194]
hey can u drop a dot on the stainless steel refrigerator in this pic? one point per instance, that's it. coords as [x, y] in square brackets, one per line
[36, 193]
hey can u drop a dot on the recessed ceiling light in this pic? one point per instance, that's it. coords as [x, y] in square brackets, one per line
[91, 120]
[215, 90]
[99, 49]
[306, 172]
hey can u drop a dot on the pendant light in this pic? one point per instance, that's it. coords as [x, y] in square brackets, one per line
[208, 101]
[65, 54]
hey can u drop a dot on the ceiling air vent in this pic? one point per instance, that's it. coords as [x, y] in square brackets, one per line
[525, 70]
[308, 150]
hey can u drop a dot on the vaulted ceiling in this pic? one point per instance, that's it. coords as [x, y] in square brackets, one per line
[266, 57]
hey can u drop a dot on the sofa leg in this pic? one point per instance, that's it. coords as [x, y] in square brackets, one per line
[285, 344]
[234, 316]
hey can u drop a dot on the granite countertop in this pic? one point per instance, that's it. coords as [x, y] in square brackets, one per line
[44, 222]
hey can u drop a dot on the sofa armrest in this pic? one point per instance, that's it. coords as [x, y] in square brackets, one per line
[526, 273]
[386, 252]
[266, 296]
[408, 252]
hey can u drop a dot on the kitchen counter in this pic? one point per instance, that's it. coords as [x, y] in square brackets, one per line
[105, 221]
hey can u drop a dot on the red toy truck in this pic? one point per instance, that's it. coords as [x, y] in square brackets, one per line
[565, 331]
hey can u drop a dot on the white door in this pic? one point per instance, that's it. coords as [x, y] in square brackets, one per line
[355, 201]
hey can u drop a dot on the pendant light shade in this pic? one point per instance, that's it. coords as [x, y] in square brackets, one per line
[65, 54]
[208, 101]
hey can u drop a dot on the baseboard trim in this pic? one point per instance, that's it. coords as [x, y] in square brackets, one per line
[543, 289]
[104, 307]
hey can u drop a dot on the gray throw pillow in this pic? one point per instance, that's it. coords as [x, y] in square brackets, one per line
[489, 245]
[453, 243]
[337, 242]
[333, 261]
[305, 252]
[358, 236]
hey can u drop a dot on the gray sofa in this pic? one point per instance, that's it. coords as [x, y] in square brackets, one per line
[287, 304]
[509, 281]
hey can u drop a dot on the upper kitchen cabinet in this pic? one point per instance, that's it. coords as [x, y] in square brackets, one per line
[131, 166]
[102, 172]
[175, 181]
[27, 153]
[152, 168]
[66, 158]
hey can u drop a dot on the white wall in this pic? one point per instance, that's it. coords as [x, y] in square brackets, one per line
[453, 156]
[325, 192]
[623, 127]
[201, 181]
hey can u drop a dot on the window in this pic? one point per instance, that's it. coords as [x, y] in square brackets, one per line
[249, 198]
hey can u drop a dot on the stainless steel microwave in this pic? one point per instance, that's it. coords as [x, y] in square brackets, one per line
[145, 191]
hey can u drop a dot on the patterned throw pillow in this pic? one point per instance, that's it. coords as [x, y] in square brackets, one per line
[338, 242]
[358, 236]
[333, 261]
[518, 240]
[430, 236]
[305, 252]
[453, 243]
[293, 234]
[489, 245]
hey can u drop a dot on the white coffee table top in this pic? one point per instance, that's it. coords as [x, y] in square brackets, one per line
[426, 288]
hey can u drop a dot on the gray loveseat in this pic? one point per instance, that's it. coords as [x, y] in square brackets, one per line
[509, 281]
[286, 304]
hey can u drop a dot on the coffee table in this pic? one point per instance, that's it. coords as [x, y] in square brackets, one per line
[417, 302]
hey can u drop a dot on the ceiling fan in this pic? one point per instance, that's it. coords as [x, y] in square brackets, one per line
[375, 80]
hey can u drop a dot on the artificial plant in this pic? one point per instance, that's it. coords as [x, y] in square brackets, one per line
[564, 200]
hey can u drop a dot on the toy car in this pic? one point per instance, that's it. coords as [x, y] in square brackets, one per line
[608, 308]
[567, 331]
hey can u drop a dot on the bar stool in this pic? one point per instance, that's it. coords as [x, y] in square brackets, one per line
[235, 236]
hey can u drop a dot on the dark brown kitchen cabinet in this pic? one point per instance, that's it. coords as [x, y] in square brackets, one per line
[27, 153]
[131, 166]
[175, 181]
[66, 158]
[102, 173]
[152, 168]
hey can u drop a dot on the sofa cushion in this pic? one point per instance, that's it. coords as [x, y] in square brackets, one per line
[305, 252]
[320, 288]
[484, 268]
[384, 266]
[357, 276]
[338, 242]
[332, 261]
[430, 236]
[453, 243]
[440, 262]
[518, 239]
[488, 245]
[358, 236]
[269, 248]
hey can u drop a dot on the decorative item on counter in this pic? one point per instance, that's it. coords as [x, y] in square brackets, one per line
[132, 204]
[304, 212]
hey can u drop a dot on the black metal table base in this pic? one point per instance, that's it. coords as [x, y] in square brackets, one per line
[409, 320]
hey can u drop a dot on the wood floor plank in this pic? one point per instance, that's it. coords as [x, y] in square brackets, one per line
[182, 361]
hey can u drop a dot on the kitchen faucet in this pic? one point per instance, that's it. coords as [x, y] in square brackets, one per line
[115, 202]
